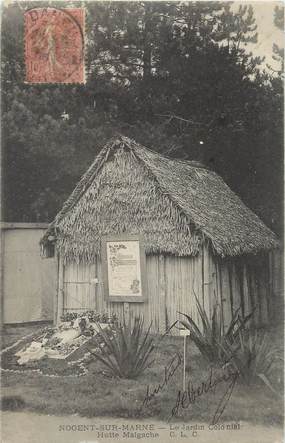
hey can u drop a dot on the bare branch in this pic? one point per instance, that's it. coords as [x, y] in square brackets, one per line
[192, 122]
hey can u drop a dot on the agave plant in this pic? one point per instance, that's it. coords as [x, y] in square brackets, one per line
[125, 350]
[254, 357]
[210, 339]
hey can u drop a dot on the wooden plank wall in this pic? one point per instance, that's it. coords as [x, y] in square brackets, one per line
[276, 282]
[244, 284]
[172, 284]
[81, 295]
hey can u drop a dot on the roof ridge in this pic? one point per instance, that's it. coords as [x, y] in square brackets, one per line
[87, 178]
[193, 163]
[94, 168]
[199, 194]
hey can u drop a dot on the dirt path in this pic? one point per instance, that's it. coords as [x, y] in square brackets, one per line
[23, 427]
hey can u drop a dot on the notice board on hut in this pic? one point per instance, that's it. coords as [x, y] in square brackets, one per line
[123, 268]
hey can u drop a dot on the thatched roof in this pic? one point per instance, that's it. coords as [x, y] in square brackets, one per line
[176, 205]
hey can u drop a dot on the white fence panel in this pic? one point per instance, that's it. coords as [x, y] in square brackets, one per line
[28, 280]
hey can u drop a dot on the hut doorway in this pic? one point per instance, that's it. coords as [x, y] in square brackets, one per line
[79, 290]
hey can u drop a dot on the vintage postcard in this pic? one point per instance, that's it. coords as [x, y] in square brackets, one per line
[142, 293]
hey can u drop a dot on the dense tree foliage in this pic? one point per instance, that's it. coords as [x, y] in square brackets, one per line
[174, 76]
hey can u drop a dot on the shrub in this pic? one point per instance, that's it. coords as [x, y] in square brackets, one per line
[12, 403]
[210, 339]
[127, 349]
[254, 356]
[92, 316]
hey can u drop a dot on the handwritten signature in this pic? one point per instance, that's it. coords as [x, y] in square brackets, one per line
[192, 394]
[169, 371]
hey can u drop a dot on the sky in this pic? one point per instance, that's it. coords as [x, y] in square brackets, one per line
[267, 31]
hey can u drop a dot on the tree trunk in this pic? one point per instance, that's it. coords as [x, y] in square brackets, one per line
[147, 43]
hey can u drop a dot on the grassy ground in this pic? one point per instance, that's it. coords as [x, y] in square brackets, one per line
[97, 394]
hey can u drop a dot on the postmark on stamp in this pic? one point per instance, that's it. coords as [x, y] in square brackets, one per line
[54, 45]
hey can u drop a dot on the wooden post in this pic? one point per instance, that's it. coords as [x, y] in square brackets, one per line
[207, 283]
[2, 249]
[269, 300]
[225, 290]
[262, 282]
[60, 295]
[127, 313]
[184, 364]
[162, 294]
[184, 333]
[218, 288]
[55, 296]
[231, 274]
[246, 292]
[253, 296]
[199, 283]
[236, 292]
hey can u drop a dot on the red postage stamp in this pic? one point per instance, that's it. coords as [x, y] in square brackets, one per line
[54, 45]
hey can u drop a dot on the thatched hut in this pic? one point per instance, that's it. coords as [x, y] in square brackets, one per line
[195, 237]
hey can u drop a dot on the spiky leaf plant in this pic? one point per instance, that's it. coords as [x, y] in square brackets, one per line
[126, 348]
[210, 337]
[254, 356]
